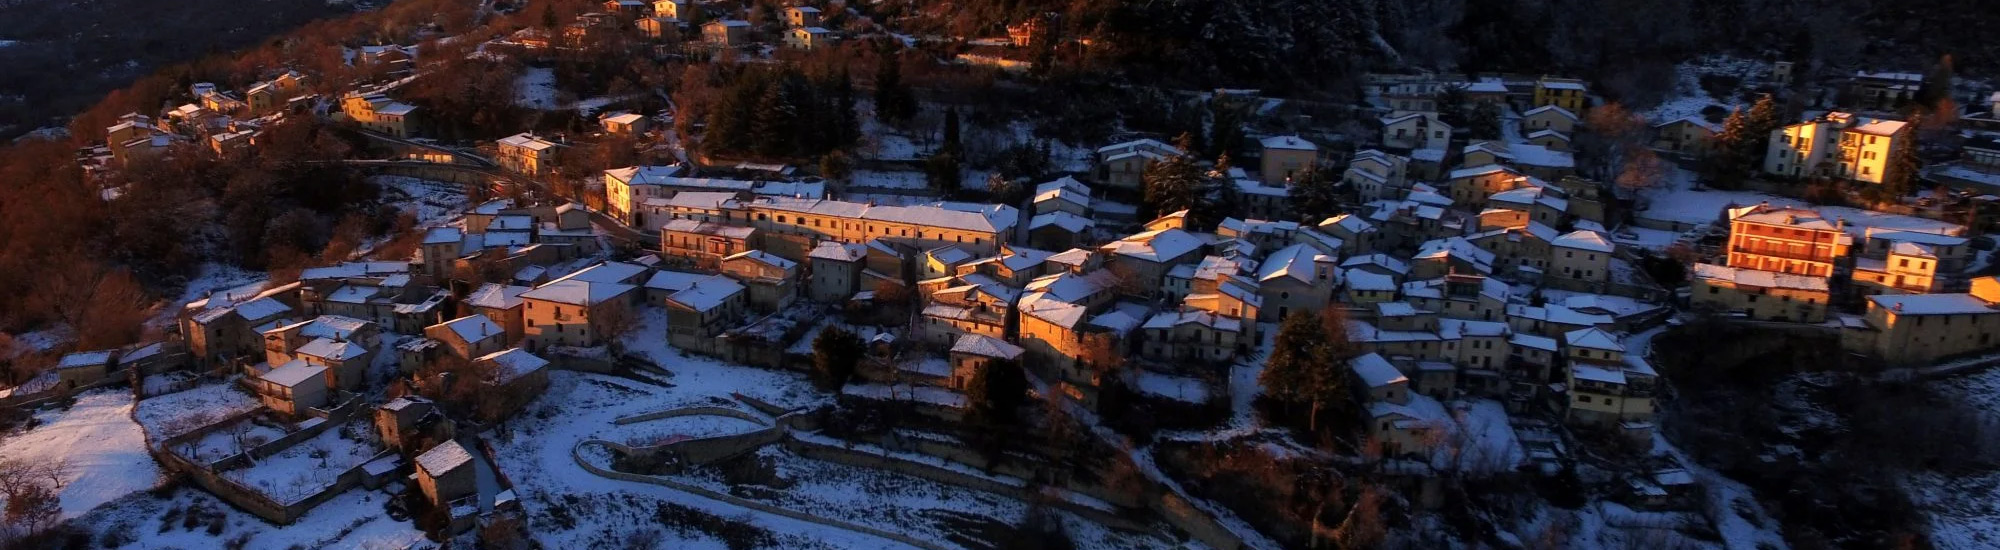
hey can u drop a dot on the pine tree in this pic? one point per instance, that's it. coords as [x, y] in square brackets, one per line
[893, 101]
[1725, 166]
[843, 97]
[1174, 183]
[1904, 168]
[836, 354]
[549, 20]
[771, 129]
[944, 172]
[1936, 88]
[1307, 366]
[1757, 128]
[1313, 196]
[997, 392]
[951, 143]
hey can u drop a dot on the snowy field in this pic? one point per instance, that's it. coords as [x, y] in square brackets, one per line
[103, 452]
[1688, 98]
[230, 440]
[178, 413]
[355, 520]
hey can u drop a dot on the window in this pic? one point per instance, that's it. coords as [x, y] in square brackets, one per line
[1583, 399]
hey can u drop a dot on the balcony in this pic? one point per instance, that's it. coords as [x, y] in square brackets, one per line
[1783, 253]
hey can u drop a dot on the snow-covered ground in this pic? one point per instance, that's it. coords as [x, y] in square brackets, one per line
[354, 520]
[1688, 98]
[1964, 507]
[881, 179]
[1676, 200]
[101, 451]
[536, 89]
[534, 450]
[181, 412]
[433, 202]
[312, 465]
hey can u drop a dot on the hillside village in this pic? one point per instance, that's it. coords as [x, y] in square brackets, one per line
[845, 331]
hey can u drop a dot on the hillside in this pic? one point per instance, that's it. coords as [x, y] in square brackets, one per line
[86, 48]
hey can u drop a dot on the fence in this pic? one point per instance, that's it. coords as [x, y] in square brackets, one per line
[209, 476]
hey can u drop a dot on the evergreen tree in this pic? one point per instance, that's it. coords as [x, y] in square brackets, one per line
[836, 167]
[1307, 367]
[951, 143]
[1904, 169]
[549, 20]
[1725, 166]
[1759, 125]
[1314, 196]
[1484, 121]
[1174, 183]
[997, 392]
[893, 101]
[849, 131]
[1225, 129]
[772, 130]
[1936, 88]
[836, 354]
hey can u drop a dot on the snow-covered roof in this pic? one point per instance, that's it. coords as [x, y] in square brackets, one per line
[1901, 248]
[949, 255]
[577, 292]
[1289, 143]
[1064, 188]
[839, 252]
[1460, 328]
[1585, 371]
[701, 200]
[527, 141]
[512, 364]
[623, 118]
[1743, 277]
[649, 175]
[708, 293]
[1550, 109]
[85, 359]
[473, 328]
[1559, 314]
[1139, 144]
[986, 346]
[347, 270]
[444, 458]
[1785, 216]
[1159, 245]
[1071, 287]
[1368, 280]
[1933, 304]
[1376, 371]
[496, 296]
[1064, 220]
[1298, 261]
[607, 272]
[1879, 127]
[293, 372]
[443, 235]
[700, 227]
[1584, 239]
[1543, 343]
[1918, 237]
[1171, 319]
[964, 216]
[1486, 86]
[262, 308]
[1559, 84]
[334, 350]
[1385, 261]
[1593, 338]
[762, 257]
[1480, 170]
[1044, 306]
[1457, 247]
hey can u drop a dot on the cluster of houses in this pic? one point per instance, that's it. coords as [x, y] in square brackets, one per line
[682, 20]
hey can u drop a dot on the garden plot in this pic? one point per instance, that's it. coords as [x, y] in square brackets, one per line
[311, 466]
[238, 437]
[177, 413]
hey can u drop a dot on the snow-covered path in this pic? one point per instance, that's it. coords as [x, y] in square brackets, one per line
[103, 449]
